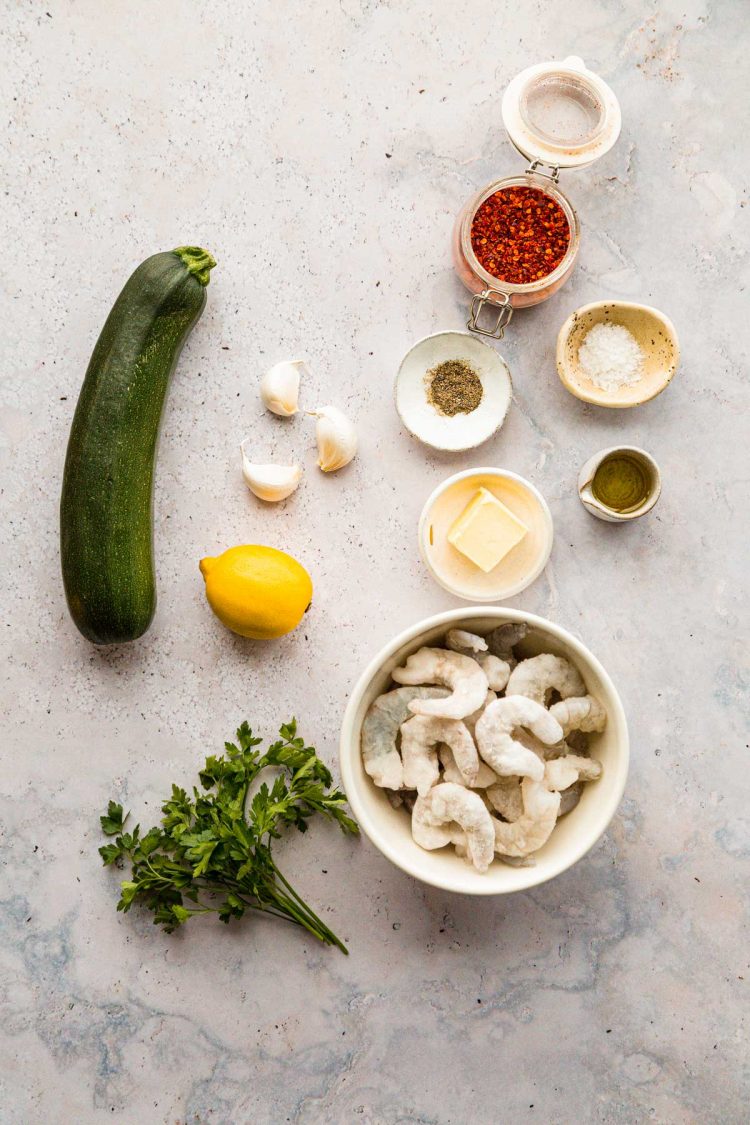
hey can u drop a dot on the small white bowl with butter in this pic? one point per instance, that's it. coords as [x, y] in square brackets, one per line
[485, 534]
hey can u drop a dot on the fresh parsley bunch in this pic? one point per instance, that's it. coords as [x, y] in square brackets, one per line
[216, 844]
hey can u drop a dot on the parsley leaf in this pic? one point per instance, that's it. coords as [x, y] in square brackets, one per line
[113, 821]
[213, 846]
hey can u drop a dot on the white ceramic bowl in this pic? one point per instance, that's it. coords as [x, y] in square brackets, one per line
[461, 431]
[390, 829]
[657, 339]
[520, 567]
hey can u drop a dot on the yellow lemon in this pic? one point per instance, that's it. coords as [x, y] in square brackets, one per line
[258, 592]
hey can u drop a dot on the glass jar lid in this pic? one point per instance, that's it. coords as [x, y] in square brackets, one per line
[561, 114]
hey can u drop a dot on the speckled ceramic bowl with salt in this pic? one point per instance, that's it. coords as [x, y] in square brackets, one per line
[656, 337]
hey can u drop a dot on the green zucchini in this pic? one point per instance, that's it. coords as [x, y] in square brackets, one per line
[106, 517]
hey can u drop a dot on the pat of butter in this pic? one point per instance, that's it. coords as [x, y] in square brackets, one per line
[486, 531]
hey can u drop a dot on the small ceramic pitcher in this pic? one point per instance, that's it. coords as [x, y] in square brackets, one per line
[601, 511]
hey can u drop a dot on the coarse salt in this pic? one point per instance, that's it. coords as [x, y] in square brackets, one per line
[611, 357]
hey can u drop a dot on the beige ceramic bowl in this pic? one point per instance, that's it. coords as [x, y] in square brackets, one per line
[656, 337]
[390, 829]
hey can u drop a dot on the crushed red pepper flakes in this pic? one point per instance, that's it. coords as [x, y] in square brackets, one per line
[520, 235]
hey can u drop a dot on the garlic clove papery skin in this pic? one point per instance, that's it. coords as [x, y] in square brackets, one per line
[270, 482]
[279, 387]
[336, 436]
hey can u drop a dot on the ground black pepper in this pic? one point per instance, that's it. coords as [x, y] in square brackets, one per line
[453, 387]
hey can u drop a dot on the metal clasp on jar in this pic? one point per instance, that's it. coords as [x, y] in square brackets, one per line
[497, 300]
[553, 174]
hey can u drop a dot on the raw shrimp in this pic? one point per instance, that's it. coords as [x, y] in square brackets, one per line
[532, 743]
[488, 775]
[409, 796]
[380, 728]
[569, 798]
[419, 738]
[450, 808]
[496, 670]
[539, 675]
[516, 860]
[434, 836]
[461, 674]
[451, 772]
[505, 797]
[532, 830]
[577, 742]
[508, 860]
[461, 641]
[566, 771]
[504, 754]
[501, 641]
[472, 719]
[579, 713]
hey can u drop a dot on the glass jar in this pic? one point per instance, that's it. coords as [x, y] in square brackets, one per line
[558, 115]
[489, 290]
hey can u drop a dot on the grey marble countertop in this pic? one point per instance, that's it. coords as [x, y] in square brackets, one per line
[321, 151]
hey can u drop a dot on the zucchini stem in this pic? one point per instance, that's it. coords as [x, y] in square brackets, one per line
[198, 261]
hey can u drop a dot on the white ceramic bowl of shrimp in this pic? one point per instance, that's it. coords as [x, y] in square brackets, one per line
[574, 835]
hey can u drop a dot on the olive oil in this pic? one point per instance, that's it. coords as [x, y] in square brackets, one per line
[623, 482]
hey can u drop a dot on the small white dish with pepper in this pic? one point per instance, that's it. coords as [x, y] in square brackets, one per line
[452, 391]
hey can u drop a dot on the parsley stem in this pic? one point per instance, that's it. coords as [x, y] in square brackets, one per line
[265, 909]
[329, 936]
[291, 910]
[301, 920]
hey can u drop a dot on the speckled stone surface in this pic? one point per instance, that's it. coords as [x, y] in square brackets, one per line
[321, 152]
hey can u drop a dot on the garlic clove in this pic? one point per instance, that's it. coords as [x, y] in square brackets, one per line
[336, 436]
[279, 387]
[270, 482]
